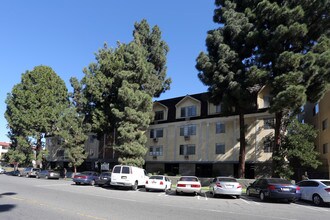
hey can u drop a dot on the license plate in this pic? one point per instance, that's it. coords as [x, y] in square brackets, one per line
[286, 189]
[230, 186]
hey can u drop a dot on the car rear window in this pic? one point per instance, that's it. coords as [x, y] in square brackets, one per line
[192, 179]
[156, 177]
[227, 180]
[278, 181]
[125, 170]
[327, 183]
[116, 170]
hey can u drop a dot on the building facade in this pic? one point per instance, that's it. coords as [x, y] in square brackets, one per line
[4, 147]
[190, 136]
[318, 115]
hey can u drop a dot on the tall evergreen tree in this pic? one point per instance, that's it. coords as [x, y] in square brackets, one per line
[34, 106]
[70, 128]
[227, 68]
[291, 43]
[118, 90]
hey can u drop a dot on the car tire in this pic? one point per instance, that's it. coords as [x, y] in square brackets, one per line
[77, 183]
[248, 192]
[46, 177]
[262, 196]
[92, 183]
[214, 195]
[147, 190]
[135, 186]
[177, 193]
[37, 177]
[27, 176]
[317, 200]
[238, 197]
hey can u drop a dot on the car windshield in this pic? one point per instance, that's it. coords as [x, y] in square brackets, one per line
[156, 177]
[105, 174]
[187, 178]
[227, 179]
[278, 181]
[327, 183]
[86, 173]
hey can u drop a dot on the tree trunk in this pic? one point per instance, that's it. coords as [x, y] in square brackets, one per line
[241, 169]
[75, 169]
[277, 144]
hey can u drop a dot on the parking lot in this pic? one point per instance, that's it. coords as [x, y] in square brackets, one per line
[56, 199]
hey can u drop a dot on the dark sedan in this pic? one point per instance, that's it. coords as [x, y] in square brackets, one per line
[104, 179]
[86, 177]
[48, 174]
[274, 188]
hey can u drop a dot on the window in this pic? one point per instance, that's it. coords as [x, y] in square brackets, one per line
[316, 109]
[220, 128]
[188, 111]
[159, 115]
[156, 151]
[187, 149]
[324, 124]
[266, 101]
[268, 123]
[268, 146]
[220, 149]
[218, 108]
[156, 133]
[325, 148]
[188, 130]
[125, 170]
[92, 138]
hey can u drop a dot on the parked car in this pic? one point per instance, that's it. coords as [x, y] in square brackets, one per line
[30, 172]
[86, 177]
[104, 179]
[2, 170]
[158, 182]
[315, 190]
[274, 188]
[15, 173]
[48, 174]
[188, 184]
[128, 176]
[225, 186]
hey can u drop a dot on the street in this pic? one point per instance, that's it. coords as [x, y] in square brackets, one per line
[30, 198]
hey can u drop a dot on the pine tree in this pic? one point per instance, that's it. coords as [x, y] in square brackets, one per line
[118, 91]
[33, 108]
[227, 68]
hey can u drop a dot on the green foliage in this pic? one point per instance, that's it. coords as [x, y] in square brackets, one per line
[286, 43]
[33, 107]
[227, 68]
[70, 128]
[118, 90]
[298, 147]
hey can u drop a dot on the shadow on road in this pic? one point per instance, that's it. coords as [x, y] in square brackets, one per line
[7, 194]
[6, 207]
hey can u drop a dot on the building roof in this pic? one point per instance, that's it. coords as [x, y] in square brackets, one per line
[5, 144]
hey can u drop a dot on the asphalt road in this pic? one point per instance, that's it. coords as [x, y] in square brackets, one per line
[30, 198]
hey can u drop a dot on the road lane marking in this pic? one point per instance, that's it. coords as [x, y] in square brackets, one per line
[17, 198]
[312, 208]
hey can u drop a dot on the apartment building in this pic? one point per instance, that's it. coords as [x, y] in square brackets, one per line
[4, 147]
[318, 115]
[191, 136]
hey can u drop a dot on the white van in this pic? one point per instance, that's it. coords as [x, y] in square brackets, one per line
[128, 176]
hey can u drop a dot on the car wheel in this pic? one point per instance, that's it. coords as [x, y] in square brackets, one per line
[214, 195]
[77, 183]
[27, 175]
[317, 200]
[177, 193]
[248, 192]
[19, 175]
[135, 186]
[37, 177]
[46, 177]
[165, 188]
[262, 196]
[147, 190]
[92, 183]
[237, 197]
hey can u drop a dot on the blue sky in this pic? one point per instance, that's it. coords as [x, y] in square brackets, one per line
[66, 34]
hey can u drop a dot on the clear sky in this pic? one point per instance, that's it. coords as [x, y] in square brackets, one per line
[66, 34]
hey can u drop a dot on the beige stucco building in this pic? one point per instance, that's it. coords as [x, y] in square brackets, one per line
[318, 114]
[191, 136]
